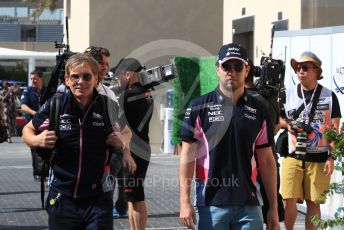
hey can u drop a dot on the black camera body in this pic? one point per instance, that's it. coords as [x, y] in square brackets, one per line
[61, 60]
[298, 126]
[157, 75]
[301, 129]
[271, 77]
[58, 72]
[148, 78]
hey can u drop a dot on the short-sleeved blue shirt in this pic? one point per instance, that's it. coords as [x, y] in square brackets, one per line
[31, 98]
[227, 136]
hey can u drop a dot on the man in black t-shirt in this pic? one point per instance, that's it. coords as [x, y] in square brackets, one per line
[273, 114]
[137, 104]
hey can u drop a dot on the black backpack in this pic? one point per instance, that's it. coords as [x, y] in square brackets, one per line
[42, 156]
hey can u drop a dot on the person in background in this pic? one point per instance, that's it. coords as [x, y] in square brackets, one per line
[137, 104]
[274, 116]
[310, 109]
[221, 134]
[9, 112]
[80, 196]
[118, 161]
[30, 103]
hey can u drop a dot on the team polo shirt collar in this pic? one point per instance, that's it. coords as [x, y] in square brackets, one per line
[222, 99]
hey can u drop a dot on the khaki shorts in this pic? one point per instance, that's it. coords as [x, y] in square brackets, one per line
[303, 183]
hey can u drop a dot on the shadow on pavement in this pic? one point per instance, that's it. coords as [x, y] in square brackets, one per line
[175, 214]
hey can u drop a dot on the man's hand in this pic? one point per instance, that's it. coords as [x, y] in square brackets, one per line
[187, 215]
[46, 139]
[115, 139]
[329, 166]
[128, 161]
[272, 220]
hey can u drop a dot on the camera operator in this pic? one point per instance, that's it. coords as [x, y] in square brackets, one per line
[273, 114]
[310, 109]
[137, 104]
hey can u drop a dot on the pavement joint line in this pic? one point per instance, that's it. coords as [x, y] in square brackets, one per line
[16, 167]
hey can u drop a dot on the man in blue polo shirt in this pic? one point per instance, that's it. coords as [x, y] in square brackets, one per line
[222, 131]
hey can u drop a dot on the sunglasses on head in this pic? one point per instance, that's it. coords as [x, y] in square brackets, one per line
[304, 68]
[232, 66]
[76, 77]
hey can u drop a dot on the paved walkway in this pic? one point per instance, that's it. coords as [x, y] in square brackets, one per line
[20, 205]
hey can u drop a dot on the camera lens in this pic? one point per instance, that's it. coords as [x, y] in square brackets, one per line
[301, 144]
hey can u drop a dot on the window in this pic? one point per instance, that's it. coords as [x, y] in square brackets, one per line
[279, 16]
[243, 11]
[28, 33]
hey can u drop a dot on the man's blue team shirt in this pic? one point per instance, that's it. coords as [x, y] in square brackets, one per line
[227, 136]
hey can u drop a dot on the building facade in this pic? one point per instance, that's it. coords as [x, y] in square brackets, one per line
[21, 29]
[249, 22]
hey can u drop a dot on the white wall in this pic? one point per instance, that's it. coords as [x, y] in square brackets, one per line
[78, 13]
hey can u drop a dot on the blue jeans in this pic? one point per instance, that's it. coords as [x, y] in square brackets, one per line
[229, 217]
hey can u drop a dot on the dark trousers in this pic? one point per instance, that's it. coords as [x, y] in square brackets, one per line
[81, 213]
[266, 205]
[121, 203]
[116, 168]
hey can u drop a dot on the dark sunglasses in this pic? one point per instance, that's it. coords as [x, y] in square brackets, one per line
[230, 66]
[76, 77]
[305, 68]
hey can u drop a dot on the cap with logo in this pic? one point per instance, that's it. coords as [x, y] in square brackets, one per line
[232, 51]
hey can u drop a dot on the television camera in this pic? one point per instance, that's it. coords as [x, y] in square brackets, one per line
[58, 72]
[270, 82]
[270, 74]
[149, 78]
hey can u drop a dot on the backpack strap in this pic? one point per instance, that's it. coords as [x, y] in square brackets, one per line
[314, 103]
[107, 122]
[54, 115]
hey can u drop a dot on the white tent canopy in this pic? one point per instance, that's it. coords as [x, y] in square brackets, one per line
[31, 56]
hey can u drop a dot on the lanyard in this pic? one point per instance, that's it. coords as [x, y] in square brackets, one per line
[307, 111]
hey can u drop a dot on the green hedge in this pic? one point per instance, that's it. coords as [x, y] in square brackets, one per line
[196, 76]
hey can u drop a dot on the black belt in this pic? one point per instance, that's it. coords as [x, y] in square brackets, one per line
[311, 157]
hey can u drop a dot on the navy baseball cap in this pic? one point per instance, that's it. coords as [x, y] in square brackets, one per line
[232, 51]
[127, 64]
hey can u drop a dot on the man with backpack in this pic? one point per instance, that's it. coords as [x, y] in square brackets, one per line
[80, 183]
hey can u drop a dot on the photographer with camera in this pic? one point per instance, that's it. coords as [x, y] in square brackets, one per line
[137, 104]
[310, 109]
